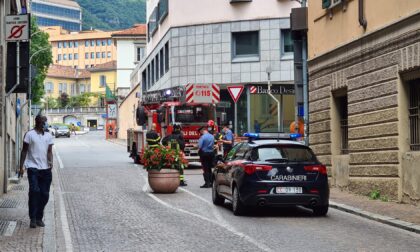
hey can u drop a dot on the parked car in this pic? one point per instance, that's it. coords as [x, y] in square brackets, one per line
[269, 170]
[62, 130]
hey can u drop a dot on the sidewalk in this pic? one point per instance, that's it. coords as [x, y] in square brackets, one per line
[403, 216]
[15, 234]
[118, 141]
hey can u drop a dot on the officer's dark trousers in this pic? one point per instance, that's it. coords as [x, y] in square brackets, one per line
[207, 163]
[39, 191]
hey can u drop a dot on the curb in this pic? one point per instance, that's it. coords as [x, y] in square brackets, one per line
[377, 217]
[116, 142]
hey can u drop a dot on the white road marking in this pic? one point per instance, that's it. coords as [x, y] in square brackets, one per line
[64, 224]
[60, 162]
[222, 224]
[10, 229]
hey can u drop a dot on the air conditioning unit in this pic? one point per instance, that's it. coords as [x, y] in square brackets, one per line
[329, 4]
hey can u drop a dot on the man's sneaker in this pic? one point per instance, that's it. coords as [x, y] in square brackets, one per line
[205, 186]
[40, 223]
[32, 224]
[182, 183]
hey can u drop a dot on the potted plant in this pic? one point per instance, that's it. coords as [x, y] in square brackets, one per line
[163, 165]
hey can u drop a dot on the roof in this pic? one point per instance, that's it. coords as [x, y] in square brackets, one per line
[136, 30]
[68, 72]
[82, 36]
[107, 66]
[274, 142]
[61, 2]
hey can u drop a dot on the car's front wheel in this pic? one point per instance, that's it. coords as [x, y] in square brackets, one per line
[320, 210]
[217, 199]
[237, 205]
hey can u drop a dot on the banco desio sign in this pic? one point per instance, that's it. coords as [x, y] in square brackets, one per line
[275, 89]
[17, 27]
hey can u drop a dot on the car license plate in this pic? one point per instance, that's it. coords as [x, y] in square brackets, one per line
[288, 190]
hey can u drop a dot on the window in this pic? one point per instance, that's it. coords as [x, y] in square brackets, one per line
[70, 44]
[76, 56]
[109, 42]
[144, 80]
[62, 88]
[76, 44]
[49, 87]
[109, 54]
[162, 60]
[59, 57]
[286, 41]
[152, 77]
[70, 56]
[60, 44]
[157, 76]
[103, 55]
[64, 56]
[92, 43]
[98, 42]
[92, 55]
[82, 88]
[162, 10]
[73, 89]
[86, 43]
[139, 53]
[340, 106]
[414, 115]
[166, 57]
[86, 55]
[290, 153]
[152, 25]
[98, 55]
[102, 81]
[246, 45]
[104, 42]
[65, 44]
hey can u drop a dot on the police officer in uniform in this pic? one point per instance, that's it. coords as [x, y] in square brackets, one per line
[176, 141]
[152, 137]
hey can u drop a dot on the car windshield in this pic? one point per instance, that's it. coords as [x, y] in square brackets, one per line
[63, 127]
[283, 153]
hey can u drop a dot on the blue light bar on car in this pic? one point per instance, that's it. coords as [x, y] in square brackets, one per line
[252, 135]
[295, 136]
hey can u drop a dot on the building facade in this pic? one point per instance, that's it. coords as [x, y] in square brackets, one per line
[64, 13]
[65, 79]
[81, 50]
[130, 45]
[233, 44]
[103, 80]
[364, 94]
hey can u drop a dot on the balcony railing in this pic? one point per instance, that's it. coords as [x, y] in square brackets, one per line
[95, 110]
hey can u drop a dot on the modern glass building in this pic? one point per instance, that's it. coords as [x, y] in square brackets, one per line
[64, 13]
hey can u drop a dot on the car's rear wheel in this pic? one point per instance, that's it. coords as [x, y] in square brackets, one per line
[237, 205]
[217, 199]
[320, 210]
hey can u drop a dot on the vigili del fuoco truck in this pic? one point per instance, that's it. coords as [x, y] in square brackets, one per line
[190, 106]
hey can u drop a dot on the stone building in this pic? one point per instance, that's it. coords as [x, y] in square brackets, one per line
[364, 93]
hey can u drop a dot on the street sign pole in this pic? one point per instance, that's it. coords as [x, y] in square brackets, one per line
[235, 92]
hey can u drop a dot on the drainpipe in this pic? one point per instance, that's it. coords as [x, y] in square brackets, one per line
[362, 19]
[305, 83]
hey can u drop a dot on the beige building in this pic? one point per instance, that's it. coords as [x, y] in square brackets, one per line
[126, 112]
[65, 79]
[364, 79]
[81, 50]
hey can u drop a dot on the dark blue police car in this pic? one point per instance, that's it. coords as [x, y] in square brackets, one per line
[271, 170]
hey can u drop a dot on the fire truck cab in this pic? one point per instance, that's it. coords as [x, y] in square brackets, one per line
[166, 109]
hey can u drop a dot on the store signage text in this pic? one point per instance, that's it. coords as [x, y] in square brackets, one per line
[275, 89]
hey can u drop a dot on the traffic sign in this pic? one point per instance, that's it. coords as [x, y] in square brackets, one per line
[17, 27]
[202, 93]
[79, 124]
[235, 92]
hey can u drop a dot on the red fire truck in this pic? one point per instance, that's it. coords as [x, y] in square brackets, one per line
[191, 107]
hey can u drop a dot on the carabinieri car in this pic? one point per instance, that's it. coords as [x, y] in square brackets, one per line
[271, 170]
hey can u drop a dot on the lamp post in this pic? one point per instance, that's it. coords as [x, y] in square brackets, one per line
[268, 71]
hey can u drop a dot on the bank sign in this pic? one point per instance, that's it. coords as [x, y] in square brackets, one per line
[275, 89]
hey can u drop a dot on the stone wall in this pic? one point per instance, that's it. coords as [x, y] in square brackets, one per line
[371, 71]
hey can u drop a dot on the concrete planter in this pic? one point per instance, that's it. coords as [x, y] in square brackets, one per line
[164, 181]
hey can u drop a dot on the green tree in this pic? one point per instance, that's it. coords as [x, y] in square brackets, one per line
[52, 102]
[63, 100]
[42, 59]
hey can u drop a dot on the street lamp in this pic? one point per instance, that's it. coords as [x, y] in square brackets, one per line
[268, 71]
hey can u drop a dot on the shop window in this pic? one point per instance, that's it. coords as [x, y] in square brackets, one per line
[414, 114]
[286, 41]
[245, 46]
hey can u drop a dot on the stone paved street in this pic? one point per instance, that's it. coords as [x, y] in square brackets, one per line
[102, 203]
[107, 209]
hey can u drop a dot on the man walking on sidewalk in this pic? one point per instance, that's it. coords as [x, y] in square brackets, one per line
[37, 158]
